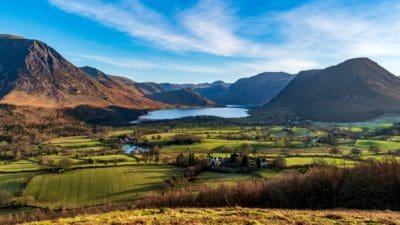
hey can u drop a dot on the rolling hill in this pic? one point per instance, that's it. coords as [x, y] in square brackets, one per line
[182, 97]
[34, 74]
[355, 90]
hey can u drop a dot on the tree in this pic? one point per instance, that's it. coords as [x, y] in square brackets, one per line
[181, 160]
[191, 159]
[355, 152]
[5, 197]
[335, 151]
[65, 164]
[375, 149]
[244, 149]
[18, 155]
[279, 162]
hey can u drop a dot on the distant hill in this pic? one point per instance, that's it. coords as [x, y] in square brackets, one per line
[34, 74]
[172, 86]
[213, 92]
[357, 89]
[148, 88]
[182, 97]
[255, 90]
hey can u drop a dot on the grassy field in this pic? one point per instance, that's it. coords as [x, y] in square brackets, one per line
[95, 186]
[301, 161]
[233, 216]
[20, 166]
[15, 182]
[103, 173]
[213, 179]
[386, 145]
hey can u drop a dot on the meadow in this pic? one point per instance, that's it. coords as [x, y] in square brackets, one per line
[78, 171]
[98, 185]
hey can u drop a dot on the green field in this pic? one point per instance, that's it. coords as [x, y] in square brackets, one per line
[101, 173]
[15, 182]
[386, 145]
[20, 166]
[95, 186]
[213, 179]
[301, 161]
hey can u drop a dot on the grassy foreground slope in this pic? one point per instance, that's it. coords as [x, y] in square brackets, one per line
[231, 216]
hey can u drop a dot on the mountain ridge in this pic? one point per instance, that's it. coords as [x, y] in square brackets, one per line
[34, 74]
[354, 90]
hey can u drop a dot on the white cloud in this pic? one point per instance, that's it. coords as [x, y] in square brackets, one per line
[204, 28]
[314, 35]
[326, 33]
[159, 64]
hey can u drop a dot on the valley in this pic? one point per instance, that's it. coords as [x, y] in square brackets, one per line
[75, 140]
[72, 172]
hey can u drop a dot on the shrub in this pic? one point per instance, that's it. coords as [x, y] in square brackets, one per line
[184, 139]
[279, 162]
[65, 164]
[372, 185]
[5, 197]
[192, 171]
[335, 151]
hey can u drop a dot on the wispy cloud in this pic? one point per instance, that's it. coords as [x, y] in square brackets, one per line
[204, 28]
[313, 35]
[162, 64]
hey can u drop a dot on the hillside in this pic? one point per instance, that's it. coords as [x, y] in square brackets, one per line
[174, 87]
[34, 74]
[231, 216]
[148, 87]
[215, 91]
[357, 89]
[182, 97]
[255, 90]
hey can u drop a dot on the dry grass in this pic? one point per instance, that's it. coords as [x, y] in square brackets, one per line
[231, 216]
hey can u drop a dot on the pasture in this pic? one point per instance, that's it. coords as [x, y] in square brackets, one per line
[100, 172]
[98, 185]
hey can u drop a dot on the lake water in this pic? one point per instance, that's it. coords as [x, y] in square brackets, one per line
[224, 112]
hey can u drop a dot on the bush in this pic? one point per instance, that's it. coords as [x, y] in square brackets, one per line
[5, 197]
[184, 139]
[372, 185]
[192, 171]
[65, 164]
[279, 162]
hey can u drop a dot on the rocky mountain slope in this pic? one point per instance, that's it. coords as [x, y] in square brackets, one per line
[182, 97]
[34, 74]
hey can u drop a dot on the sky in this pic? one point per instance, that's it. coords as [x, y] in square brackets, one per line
[193, 41]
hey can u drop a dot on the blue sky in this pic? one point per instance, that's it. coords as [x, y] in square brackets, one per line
[206, 40]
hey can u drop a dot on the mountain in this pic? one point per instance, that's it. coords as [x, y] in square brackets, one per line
[213, 92]
[255, 90]
[34, 74]
[182, 97]
[355, 90]
[147, 88]
[173, 87]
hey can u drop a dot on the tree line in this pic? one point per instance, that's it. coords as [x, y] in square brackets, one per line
[370, 185]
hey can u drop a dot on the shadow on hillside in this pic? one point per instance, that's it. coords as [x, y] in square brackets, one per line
[110, 116]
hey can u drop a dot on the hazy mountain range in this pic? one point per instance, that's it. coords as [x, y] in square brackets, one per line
[35, 75]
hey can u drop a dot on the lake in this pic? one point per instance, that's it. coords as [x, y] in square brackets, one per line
[224, 112]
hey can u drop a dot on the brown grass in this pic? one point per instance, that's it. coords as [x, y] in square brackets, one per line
[230, 216]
